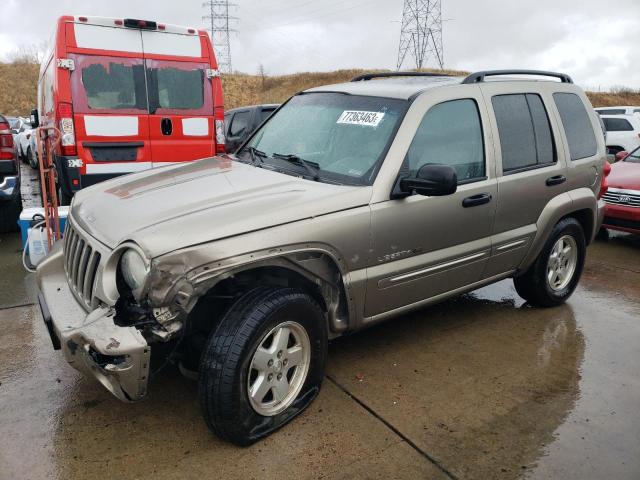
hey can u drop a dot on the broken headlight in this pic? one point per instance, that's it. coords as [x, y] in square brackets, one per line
[134, 269]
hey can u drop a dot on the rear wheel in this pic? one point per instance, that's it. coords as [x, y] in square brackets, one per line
[263, 365]
[554, 275]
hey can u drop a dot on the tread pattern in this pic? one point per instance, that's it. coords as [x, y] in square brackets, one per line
[224, 357]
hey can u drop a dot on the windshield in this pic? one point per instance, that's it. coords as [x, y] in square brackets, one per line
[344, 136]
[633, 157]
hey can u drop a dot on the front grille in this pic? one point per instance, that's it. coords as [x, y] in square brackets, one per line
[81, 264]
[628, 198]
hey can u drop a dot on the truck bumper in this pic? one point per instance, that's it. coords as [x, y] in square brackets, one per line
[118, 357]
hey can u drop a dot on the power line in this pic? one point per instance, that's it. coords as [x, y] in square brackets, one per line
[219, 22]
[421, 33]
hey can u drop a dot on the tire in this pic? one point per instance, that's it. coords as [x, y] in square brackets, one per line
[534, 285]
[32, 159]
[9, 214]
[63, 198]
[226, 366]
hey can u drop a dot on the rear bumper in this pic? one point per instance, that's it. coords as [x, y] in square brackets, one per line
[118, 357]
[623, 218]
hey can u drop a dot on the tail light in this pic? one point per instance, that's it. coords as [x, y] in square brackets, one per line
[604, 186]
[219, 124]
[6, 142]
[67, 130]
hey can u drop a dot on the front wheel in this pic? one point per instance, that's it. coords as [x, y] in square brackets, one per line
[554, 275]
[264, 364]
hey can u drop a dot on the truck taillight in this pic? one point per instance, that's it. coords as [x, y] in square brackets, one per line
[220, 138]
[604, 186]
[67, 130]
[6, 142]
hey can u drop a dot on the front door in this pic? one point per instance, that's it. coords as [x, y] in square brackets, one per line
[426, 246]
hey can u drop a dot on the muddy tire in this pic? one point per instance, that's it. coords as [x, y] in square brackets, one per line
[554, 275]
[32, 158]
[9, 213]
[263, 365]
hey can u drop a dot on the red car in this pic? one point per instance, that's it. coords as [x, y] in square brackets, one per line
[622, 211]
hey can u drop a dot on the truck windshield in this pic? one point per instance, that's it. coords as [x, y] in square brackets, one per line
[345, 136]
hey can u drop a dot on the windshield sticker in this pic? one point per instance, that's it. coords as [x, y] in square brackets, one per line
[356, 117]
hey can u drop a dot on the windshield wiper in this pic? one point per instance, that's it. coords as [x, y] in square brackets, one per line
[311, 167]
[256, 154]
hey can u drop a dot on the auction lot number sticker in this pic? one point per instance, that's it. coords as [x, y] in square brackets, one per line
[358, 117]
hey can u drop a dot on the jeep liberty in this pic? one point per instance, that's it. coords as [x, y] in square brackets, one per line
[352, 204]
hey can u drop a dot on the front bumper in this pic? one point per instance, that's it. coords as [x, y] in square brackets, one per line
[622, 217]
[118, 357]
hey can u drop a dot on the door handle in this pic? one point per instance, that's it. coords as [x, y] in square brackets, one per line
[557, 180]
[166, 126]
[476, 200]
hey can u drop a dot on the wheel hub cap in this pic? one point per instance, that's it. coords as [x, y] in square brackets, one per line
[278, 368]
[562, 263]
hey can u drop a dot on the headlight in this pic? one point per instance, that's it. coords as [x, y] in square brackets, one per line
[133, 268]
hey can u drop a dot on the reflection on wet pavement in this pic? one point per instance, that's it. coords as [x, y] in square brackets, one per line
[481, 386]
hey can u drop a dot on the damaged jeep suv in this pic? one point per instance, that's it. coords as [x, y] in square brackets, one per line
[351, 204]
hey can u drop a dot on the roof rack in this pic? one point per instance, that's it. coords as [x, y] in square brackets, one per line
[369, 76]
[480, 76]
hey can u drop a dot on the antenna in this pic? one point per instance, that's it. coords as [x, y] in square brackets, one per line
[421, 33]
[219, 24]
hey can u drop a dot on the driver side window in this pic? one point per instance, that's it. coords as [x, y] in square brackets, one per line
[450, 134]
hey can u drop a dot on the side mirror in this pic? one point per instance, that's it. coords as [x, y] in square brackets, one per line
[35, 121]
[431, 181]
[621, 155]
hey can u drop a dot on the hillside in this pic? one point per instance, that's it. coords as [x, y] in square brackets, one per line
[18, 88]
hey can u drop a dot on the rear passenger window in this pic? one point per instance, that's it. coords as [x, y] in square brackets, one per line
[526, 140]
[239, 124]
[617, 125]
[577, 126]
[450, 134]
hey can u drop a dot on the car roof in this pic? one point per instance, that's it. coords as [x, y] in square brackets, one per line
[394, 87]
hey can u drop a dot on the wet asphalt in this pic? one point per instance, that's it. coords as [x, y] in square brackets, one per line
[481, 386]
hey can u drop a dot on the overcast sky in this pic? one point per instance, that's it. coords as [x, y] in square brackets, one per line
[595, 41]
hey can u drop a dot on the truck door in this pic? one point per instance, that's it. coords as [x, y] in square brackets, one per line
[180, 98]
[110, 114]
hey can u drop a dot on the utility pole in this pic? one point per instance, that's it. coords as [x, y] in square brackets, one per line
[421, 33]
[219, 24]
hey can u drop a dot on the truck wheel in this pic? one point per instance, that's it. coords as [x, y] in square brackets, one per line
[63, 198]
[263, 364]
[553, 277]
[9, 214]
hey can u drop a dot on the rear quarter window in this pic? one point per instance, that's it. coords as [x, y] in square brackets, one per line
[577, 125]
[617, 125]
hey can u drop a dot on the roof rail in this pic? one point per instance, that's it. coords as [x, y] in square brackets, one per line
[369, 76]
[480, 76]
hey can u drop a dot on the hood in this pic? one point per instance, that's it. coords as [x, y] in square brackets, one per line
[624, 175]
[173, 207]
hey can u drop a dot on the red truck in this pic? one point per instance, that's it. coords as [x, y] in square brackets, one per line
[127, 95]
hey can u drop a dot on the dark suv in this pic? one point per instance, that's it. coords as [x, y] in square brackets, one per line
[10, 203]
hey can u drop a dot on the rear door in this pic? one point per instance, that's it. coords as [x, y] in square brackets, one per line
[110, 107]
[180, 97]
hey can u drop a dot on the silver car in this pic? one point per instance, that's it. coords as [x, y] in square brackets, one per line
[354, 203]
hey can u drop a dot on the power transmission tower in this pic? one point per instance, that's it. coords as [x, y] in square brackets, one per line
[421, 33]
[219, 24]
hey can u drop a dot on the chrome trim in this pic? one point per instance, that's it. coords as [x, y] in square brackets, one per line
[432, 269]
[624, 191]
[508, 246]
[81, 263]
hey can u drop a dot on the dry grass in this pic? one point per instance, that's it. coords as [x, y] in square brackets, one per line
[18, 87]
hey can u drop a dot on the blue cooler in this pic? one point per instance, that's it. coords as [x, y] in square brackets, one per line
[26, 220]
